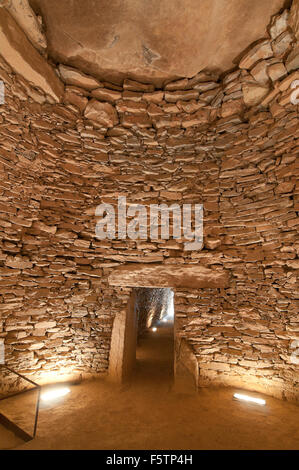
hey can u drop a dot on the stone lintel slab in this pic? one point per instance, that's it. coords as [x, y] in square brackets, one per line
[176, 276]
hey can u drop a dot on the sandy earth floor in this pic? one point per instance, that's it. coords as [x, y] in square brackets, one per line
[8, 440]
[146, 414]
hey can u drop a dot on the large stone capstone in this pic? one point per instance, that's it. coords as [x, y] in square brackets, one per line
[152, 40]
[192, 276]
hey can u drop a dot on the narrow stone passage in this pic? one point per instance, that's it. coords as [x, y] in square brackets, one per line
[155, 357]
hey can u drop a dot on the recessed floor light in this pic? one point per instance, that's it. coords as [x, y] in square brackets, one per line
[258, 401]
[154, 329]
[55, 393]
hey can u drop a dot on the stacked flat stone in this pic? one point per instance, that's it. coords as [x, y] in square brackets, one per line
[230, 143]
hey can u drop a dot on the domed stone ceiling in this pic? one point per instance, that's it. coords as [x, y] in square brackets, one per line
[152, 40]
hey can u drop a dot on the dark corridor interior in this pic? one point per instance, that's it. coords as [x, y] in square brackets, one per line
[155, 338]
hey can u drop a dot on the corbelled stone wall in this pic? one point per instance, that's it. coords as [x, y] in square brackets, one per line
[152, 305]
[229, 142]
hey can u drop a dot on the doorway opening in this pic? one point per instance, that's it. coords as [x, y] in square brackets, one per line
[142, 343]
[127, 327]
[154, 309]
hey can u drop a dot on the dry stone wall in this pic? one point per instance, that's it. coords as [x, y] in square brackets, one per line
[230, 143]
[152, 305]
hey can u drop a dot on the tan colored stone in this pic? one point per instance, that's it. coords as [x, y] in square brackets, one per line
[154, 110]
[194, 276]
[186, 367]
[131, 85]
[78, 90]
[18, 263]
[20, 54]
[189, 106]
[45, 324]
[232, 107]
[44, 228]
[230, 164]
[102, 113]
[9, 272]
[254, 93]
[170, 108]
[166, 121]
[286, 83]
[74, 98]
[202, 87]
[104, 94]
[282, 43]
[174, 96]
[22, 12]
[262, 50]
[122, 358]
[259, 72]
[286, 187]
[209, 96]
[177, 85]
[292, 62]
[294, 263]
[85, 244]
[140, 120]
[56, 167]
[132, 95]
[75, 77]
[155, 97]
[277, 71]
[195, 119]
[270, 97]
[146, 41]
[131, 106]
[36, 346]
[294, 18]
[279, 24]
[212, 244]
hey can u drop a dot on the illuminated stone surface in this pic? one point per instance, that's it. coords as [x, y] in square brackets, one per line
[152, 41]
[196, 140]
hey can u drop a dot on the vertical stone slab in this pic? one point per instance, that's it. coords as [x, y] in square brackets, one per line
[123, 344]
[186, 368]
